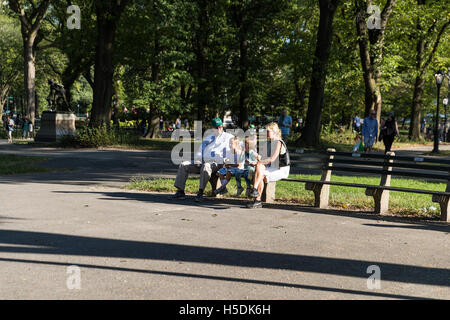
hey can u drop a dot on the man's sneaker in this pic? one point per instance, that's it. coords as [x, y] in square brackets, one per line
[248, 191]
[254, 193]
[239, 191]
[255, 204]
[199, 197]
[178, 195]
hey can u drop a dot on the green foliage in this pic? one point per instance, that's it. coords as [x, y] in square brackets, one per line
[97, 137]
[11, 59]
[183, 57]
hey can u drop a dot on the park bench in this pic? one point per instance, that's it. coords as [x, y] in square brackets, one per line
[384, 166]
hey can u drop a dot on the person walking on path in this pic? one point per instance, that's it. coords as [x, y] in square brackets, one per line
[357, 123]
[208, 160]
[285, 123]
[370, 131]
[388, 132]
[25, 129]
[178, 123]
[10, 124]
[273, 168]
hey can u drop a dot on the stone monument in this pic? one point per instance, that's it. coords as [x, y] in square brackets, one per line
[59, 120]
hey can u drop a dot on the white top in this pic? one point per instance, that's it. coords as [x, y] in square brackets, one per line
[235, 158]
[215, 148]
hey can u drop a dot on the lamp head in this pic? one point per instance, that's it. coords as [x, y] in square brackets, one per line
[439, 76]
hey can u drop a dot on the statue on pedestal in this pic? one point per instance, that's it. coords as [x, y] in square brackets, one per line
[57, 97]
[59, 121]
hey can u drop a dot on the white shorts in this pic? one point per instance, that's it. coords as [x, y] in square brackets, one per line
[275, 174]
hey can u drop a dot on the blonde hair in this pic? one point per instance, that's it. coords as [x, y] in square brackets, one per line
[234, 142]
[273, 126]
[251, 141]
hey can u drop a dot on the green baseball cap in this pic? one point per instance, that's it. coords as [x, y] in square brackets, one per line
[216, 122]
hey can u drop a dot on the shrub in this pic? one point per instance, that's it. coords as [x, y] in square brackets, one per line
[98, 137]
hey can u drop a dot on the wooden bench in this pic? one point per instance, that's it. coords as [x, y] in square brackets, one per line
[384, 166]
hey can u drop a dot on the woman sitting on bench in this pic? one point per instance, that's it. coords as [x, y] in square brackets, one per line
[273, 168]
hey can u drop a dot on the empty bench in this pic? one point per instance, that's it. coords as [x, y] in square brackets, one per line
[384, 166]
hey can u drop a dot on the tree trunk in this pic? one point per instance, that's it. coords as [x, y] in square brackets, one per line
[244, 90]
[29, 26]
[4, 92]
[422, 62]
[371, 90]
[370, 43]
[103, 72]
[201, 45]
[36, 102]
[416, 108]
[108, 15]
[153, 127]
[29, 78]
[311, 132]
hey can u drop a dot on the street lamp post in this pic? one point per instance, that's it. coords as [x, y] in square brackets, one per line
[439, 76]
[445, 102]
[448, 97]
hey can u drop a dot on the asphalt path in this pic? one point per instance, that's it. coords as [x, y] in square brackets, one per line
[140, 245]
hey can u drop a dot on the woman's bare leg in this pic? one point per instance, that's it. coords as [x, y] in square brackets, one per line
[259, 176]
[261, 189]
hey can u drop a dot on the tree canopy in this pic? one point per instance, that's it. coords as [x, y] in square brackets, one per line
[202, 58]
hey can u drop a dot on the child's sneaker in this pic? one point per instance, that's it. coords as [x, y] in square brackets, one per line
[221, 190]
[239, 191]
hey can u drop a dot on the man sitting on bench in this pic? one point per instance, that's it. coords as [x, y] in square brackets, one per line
[208, 160]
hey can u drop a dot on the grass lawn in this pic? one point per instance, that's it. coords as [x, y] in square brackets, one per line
[401, 203]
[12, 164]
[442, 153]
[148, 144]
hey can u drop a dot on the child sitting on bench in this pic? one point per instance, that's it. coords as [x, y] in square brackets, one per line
[231, 165]
[251, 159]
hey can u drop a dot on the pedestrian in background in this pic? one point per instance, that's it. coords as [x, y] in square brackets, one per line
[11, 125]
[178, 123]
[357, 123]
[388, 132]
[370, 131]
[25, 129]
[285, 124]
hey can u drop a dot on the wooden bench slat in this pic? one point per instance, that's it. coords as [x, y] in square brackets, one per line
[392, 173]
[397, 158]
[394, 164]
[356, 185]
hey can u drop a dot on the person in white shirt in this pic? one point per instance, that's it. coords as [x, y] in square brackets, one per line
[208, 160]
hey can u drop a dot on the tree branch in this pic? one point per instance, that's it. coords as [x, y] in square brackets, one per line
[436, 44]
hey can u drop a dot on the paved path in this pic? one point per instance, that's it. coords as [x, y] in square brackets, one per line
[137, 245]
